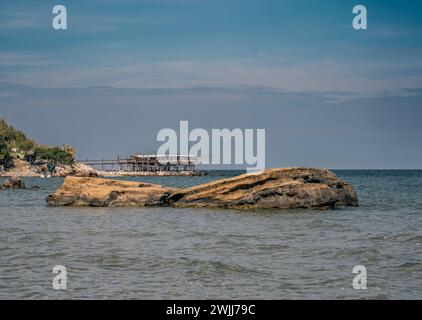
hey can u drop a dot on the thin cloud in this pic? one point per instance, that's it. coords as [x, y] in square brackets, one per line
[318, 76]
[21, 18]
[16, 59]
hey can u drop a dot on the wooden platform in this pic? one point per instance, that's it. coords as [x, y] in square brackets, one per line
[148, 163]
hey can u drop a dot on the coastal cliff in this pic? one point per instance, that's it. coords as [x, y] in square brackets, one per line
[285, 188]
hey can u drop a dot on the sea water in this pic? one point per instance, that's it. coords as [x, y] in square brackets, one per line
[175, 253]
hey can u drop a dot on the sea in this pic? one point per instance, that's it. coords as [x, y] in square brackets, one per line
[177, 253]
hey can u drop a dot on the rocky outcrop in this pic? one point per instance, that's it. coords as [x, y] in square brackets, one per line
[270, 189]
[111, 174]
[23, 168]
[76, 169]
[14, 183]
[99, 192]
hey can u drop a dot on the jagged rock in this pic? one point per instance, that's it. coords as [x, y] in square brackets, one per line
[270, 189]
[76, 169]
[13, 183]
[98, 192]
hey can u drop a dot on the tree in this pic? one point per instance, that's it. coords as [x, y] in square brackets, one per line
[57, 155]
[14, 142]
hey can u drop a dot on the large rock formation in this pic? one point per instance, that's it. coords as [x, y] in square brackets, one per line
[98, 192]
[270, 189]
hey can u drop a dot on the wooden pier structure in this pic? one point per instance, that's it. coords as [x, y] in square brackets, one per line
[147, 163]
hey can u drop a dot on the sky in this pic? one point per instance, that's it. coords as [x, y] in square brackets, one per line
[327, 95]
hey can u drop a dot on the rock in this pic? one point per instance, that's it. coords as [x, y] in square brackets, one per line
[35, 188]
[76, 169]
[98, 192]
[110, 174]
[270, 189]
[13, 183]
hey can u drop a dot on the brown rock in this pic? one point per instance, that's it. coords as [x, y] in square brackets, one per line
[270, 189]
[98, 192]
[14, 183]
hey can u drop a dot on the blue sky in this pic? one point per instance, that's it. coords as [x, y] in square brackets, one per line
[327, 95]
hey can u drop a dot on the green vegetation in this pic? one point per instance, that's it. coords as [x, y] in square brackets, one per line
[15, 145]
[57, 155]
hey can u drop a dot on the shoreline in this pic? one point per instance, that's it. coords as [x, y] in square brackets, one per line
[148, 173]
[112, 174]
[26, 170]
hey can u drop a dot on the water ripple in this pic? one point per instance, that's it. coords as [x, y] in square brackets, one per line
[155, 253]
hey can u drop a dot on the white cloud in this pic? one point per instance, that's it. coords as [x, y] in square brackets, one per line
[319, 76]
